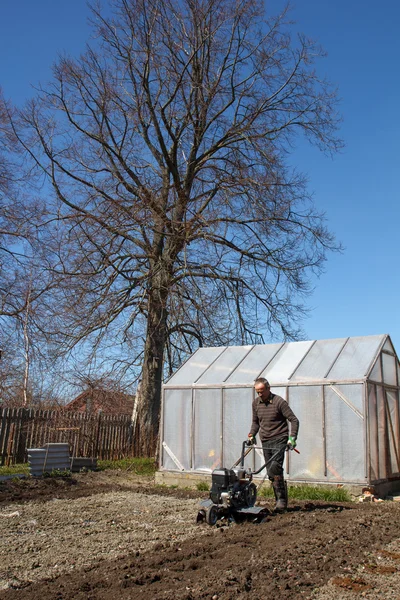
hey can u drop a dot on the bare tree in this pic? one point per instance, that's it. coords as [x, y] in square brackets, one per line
[166, 148]
[12, 228]
[24, 275]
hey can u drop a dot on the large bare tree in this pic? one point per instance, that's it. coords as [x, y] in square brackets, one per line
[166, 148]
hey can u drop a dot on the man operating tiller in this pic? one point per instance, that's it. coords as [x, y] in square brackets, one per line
[271, 415]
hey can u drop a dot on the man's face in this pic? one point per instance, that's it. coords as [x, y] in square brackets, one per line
[262, 390]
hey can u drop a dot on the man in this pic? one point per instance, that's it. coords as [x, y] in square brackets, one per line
[271, 414]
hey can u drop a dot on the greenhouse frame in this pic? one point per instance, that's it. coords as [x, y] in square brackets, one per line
[345, 393]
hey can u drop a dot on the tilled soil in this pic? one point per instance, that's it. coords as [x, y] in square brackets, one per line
[108, 536]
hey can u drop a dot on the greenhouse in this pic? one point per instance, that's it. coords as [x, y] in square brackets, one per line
[344, 391]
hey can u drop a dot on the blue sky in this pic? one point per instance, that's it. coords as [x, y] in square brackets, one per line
[359, 292]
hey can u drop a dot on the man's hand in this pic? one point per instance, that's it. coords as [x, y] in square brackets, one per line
[291, 443]
[251, 440]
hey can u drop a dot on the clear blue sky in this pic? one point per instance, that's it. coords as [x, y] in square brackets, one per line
[359, 292]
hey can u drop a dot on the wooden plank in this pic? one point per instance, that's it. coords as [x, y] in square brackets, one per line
[103, 439]
[119, 439]
[47, 417]
[107, 440]
[90, 436]
[31, 428]
[21, 454]
[114, 452]
[97, 439]
[38, 437]
[4, 412]
[15, 435]
[6, 435]
[10, 444]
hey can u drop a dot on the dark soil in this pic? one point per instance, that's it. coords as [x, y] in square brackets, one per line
[42, 489]
[288, 556]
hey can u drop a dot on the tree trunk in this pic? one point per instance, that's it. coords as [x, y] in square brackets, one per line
[147, 416]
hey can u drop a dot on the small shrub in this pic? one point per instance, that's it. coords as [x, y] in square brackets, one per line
[57, 473]
[20, 481]
[202, 486]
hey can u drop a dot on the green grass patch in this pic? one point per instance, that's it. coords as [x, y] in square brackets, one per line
[18, 469]
[311, 492]
[202, 486]
[137, 466]
[265, 492]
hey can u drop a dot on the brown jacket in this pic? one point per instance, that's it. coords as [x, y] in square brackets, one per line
[270, 418]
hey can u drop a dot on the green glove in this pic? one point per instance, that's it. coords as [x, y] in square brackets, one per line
[291, 443]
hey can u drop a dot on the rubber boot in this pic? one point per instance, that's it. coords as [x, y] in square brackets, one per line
[280, 492]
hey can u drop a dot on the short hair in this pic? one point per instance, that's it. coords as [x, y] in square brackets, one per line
[262, 380]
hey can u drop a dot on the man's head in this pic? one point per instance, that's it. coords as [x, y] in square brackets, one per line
[261, 385]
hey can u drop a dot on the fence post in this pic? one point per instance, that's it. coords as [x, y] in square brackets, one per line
[6, 428]
[21, 448]
[3, 415]
[130, 439]
[96, 453]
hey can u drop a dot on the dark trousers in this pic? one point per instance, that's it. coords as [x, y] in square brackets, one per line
[274, 448]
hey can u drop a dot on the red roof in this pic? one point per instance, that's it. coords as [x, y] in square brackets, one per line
[109, 402]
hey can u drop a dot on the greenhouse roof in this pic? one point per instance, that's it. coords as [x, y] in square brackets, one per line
[342, 359]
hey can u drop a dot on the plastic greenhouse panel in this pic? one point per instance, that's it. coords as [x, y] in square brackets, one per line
[223, 365]
[376, 371]
[345, 445]
[207, 429]
[195, 366]
[383, 471]
[373, 433]
[319, 360]
[388, 346]
[236, 424]
[177, 425]
[356, 358]
[353, 394]
[280, 391]
[389, 369]
[253, 364]
[306, 403]
[286, 361]
[393, 430]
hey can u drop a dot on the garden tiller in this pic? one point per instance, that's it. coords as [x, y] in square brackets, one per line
[233, 494]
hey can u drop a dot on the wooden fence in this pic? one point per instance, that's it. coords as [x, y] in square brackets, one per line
[88, 435]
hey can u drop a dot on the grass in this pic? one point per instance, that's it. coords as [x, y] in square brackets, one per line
[137, 466]
[18, 469]
[202, 486]
[311, 492]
